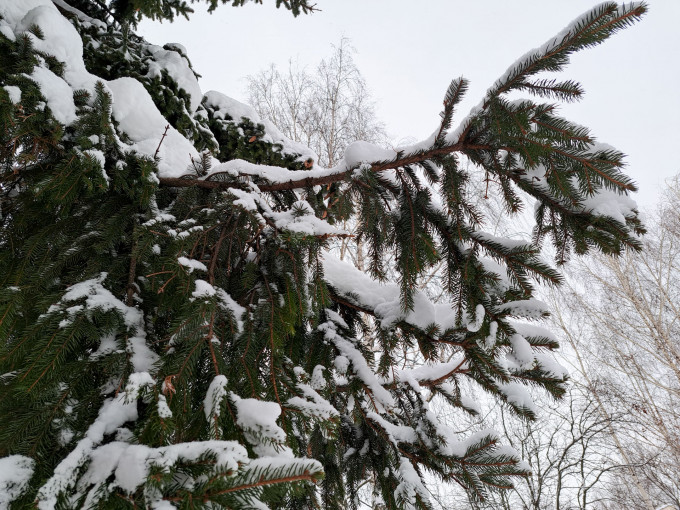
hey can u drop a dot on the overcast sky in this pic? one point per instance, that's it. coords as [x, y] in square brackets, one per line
[408, 52]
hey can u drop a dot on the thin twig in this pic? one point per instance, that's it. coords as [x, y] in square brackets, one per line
[159, 143]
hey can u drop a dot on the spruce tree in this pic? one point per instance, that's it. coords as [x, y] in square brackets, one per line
[175, 331]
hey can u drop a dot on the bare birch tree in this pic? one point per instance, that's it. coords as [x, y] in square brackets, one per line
[628, 346]
[327, 108]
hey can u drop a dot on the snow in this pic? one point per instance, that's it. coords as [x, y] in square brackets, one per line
[60, 40]
[359, 364]
[313, 404]
[470, 403]
[14, 93]
[258, 419]
[527, 308]
[273, 174]
[112, 415]
[81, 15]
[385, 299]
[58, 94]
[139, 118]
[163, 408]
[479, 319]
[98, 297]
[136, 382]
[228, 303]
[7, 31]
[396, 433]
[318, 382]
[503, 241]
[611, 204]
[177, 66]
[364, 152]
[300, 218]
[203, 289]
[214, 396]
[318, 408]
[522, 353]
[192, 264]
[518, 395]
[459, 448]
[130, 464]
[15, 473]
[431, 371]
[224, 105]
[549, 365]
[410, 486]
[489, 342]
[532, 330]
[98, 156]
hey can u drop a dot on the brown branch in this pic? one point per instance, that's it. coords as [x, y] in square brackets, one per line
[308, 182]
[129, 299]
[286, 479]
[159, 143]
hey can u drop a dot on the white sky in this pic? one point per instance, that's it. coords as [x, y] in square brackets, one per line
[408, 52]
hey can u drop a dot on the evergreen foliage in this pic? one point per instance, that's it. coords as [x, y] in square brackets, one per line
[185, 338]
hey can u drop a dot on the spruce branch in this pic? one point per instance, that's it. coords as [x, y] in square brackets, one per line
[308, 182]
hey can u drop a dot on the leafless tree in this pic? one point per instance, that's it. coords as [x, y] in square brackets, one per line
[327, 109]
[570, 453]
[627, 349]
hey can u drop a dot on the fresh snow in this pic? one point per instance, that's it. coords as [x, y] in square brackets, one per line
[203, 289]
[611, 204]
[58, 94]
[192, 264]
[214, 396]
[385, 299]
[364, 152]
[15, 473]
[96, 296]
[14, 93]
[113, 414]
[177, 66]
[224, 105]
[139, 118]
[518, 395]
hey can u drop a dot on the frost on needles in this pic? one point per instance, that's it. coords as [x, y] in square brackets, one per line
[175, 328]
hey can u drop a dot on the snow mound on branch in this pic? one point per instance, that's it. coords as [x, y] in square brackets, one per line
[139, 118]
[259, 417]
[213, 397]
[177, 66]
[97, 297]
[131, 464]
[15, 473]
[14, 93]
[224, 106]
[61, 39]
[385, 299]
[364, 152]
[611, 204]
[133, 107]
[58, 94]
[112, 415]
